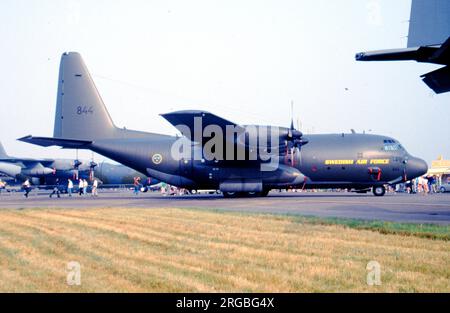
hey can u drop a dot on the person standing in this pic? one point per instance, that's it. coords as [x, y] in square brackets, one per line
[94, 188]
[80, 187]
[2, 185]
[69, 187]
[137, 185]
[27, 187]
[85, 186]
[56, 189]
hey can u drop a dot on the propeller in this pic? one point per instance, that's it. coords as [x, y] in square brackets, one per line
[293, 139]
[76, 165]
[92, 166]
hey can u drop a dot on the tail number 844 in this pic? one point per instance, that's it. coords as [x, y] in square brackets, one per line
[84, 110]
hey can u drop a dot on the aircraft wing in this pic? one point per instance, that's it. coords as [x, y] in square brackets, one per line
[193, 121]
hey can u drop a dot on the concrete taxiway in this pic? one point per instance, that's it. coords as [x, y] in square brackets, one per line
[433, 208]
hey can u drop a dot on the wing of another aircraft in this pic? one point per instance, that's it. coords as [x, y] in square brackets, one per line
[428, 41]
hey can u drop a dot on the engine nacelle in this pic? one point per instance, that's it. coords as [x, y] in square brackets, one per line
[9, 169]
[37, 171]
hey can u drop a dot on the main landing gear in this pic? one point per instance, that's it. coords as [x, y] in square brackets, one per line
[229, 194]
[379, 191]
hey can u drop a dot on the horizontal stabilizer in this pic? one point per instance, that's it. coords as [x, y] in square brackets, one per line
[419, 54]
[438, 80]
[48, 141]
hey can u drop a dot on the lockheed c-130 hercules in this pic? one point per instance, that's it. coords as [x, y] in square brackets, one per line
[236, 159]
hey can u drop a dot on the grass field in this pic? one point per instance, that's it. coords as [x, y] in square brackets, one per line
[176, 250]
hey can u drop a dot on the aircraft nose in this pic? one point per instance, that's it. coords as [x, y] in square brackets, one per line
[416, 167]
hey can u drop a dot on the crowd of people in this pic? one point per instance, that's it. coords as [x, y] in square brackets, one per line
[59, 188]
[423, 185]
[420, 185]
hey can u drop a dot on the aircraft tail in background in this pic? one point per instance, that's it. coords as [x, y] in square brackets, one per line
[3, 154]
[429, 23]
[428, 42]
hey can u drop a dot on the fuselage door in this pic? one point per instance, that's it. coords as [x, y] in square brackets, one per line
[375, 173]
[185, 167]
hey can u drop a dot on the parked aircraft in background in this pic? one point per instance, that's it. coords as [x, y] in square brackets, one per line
[43, 171]
[46, 172]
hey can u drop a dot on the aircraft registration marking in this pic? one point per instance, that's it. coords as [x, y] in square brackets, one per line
[357, 162]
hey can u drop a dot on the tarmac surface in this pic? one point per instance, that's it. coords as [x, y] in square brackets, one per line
[433, 209]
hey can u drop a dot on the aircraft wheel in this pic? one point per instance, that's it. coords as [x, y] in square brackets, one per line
[379, 191]
[229, 194]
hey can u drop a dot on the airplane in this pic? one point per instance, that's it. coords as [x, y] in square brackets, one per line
[428, 42]
[42, 171]
[255, 162]
[45, 172]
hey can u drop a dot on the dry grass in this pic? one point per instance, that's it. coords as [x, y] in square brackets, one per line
[173, 250]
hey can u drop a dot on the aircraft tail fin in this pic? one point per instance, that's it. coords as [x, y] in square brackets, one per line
[429, 22]
[80, 111]
[3, 154]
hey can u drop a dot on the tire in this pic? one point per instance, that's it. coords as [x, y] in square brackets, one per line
[379, 191]
[442, 189]
[228, 194]
[245, 194]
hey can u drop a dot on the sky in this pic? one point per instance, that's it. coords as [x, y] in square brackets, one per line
[243, 60]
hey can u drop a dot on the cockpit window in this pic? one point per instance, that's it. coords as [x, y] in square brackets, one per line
[392, 146]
